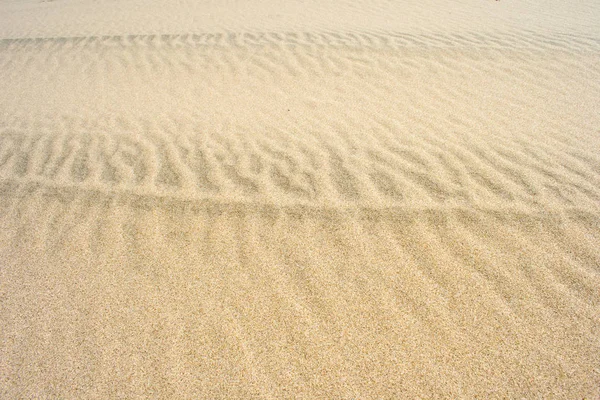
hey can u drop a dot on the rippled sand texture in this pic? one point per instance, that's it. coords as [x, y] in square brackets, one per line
[351, 200]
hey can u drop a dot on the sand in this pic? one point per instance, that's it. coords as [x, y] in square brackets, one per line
[341, 199]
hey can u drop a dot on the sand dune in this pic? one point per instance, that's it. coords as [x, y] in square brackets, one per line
[295, 202]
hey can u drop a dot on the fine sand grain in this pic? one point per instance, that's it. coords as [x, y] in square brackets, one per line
[316, 199]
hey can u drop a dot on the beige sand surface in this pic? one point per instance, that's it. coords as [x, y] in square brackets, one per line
[299, 199]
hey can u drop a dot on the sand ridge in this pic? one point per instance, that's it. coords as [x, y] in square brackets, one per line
[347, 122]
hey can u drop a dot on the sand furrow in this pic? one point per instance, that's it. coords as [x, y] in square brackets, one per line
[374, 256]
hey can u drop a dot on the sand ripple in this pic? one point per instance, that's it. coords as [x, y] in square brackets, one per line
[319, 213]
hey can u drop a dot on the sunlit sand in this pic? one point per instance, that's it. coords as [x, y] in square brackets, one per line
[316, 199]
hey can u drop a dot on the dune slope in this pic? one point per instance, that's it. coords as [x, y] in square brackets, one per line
[351, 200]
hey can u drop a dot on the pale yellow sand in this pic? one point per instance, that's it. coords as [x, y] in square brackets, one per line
[383, 199]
